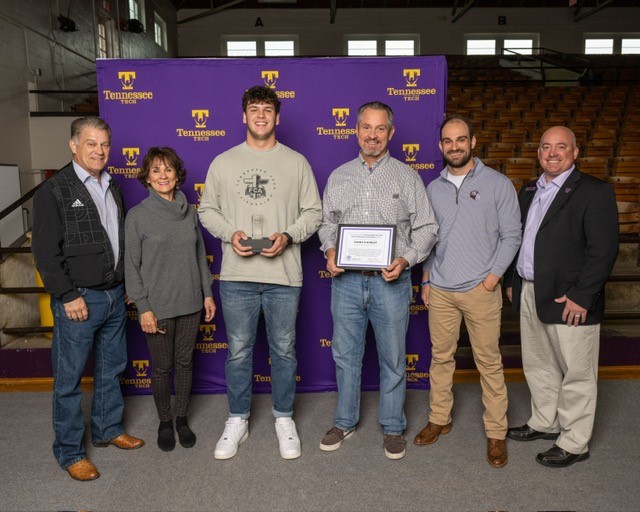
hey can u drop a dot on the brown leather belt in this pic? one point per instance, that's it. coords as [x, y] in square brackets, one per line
[368, 273]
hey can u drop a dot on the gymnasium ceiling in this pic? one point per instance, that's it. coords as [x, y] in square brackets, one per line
[396, 4]
[581, 8]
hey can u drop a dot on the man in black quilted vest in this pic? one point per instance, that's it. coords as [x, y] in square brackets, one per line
[78, 238]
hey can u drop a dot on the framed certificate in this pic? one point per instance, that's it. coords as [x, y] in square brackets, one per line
[365, 246]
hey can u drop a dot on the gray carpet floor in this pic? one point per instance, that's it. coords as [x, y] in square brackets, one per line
[451, 475]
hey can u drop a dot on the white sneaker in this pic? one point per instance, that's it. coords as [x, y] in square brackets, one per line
[236, 431]
[288, 438]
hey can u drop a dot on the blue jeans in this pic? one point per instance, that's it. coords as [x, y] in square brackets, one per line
[103, 333]
[241, 306]
[357, 299]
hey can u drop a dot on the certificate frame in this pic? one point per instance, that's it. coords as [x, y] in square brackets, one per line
[365, 246]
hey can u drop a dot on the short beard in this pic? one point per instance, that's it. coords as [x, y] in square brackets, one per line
[372, 152]
[461, 163]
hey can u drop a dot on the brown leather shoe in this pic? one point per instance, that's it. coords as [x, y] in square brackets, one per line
[83, 470]
[124, 442]
[497, 453]
[430, 433]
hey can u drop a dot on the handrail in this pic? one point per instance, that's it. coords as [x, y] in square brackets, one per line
[544, 58]
[19, 202]
[63, 91]
[14, 247]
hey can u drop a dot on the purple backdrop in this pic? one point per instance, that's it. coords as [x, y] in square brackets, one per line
[194, 106]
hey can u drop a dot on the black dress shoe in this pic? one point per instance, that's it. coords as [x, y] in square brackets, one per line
[556, 457]
[526, 433]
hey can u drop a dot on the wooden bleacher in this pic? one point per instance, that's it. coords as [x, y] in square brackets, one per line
[510, 112]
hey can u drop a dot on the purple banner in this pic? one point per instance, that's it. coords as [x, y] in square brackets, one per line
[194, 106]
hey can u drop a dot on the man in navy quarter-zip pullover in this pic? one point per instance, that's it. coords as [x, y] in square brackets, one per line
[477, 210]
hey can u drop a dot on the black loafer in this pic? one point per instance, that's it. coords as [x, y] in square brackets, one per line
[556, 457]
[526, 433]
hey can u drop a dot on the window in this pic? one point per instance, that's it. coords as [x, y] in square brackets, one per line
[481, 47]
[160, 31]
[609, 43]
[284, 46]
[407, 44]
[242, 48]
[399, 47]
[493, 44]
[598, 46]
[104, 37]
[362, 47]
[630, 46]
[134, 10]
[279, 48]
[102, 41]
[521, 46]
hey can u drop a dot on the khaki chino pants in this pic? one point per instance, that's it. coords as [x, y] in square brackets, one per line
[560, 363]
[481, 311]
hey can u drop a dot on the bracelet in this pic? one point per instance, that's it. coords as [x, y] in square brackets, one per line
[425, 283]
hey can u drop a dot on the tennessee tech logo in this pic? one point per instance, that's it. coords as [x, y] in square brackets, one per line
[131, 169]
[127, 96]
[416, 305]
[200, 118]
[141, 366]
[131, 156]
[198, 188]
[126, 79]
[340, 116]
[270, 78]
[207, 331]
[214, 276]
[411, 156]
[207, 345]
[410, 152]
[258, 377]
[411, 366]
[141, 379]
[411, 91]
[412, 361]
[200, 133]
[411, 77]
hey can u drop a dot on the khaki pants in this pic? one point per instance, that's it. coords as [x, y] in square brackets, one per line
[481, 312]
[561, 366]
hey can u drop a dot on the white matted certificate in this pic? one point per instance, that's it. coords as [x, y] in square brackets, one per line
[365, 246]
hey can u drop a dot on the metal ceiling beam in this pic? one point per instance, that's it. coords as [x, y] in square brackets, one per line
[333, 11]
[467, 6]
[599, 6]
[454, 7]
[215, 10]
[578, 6]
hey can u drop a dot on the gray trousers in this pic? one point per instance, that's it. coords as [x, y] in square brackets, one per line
[169, 350]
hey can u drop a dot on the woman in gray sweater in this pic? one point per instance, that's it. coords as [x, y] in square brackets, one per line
[168, 278]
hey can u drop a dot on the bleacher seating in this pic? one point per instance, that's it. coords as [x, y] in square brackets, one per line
[510, 112]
